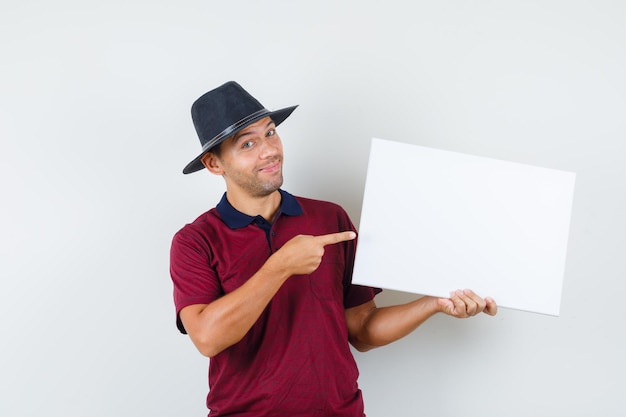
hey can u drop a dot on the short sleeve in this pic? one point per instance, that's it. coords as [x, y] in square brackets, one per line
[195, 281]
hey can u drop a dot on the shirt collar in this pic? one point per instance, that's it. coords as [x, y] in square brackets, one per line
[236, 219]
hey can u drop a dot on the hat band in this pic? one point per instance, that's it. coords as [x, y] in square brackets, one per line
[230, 129]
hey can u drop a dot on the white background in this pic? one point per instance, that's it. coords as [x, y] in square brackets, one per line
[95, 130]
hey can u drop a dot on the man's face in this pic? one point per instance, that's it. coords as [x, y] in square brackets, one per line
[251, 161]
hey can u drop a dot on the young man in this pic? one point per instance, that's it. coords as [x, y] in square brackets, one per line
[262, 282]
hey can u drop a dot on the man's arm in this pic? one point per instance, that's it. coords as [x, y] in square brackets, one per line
[216, 326]
[370, 326]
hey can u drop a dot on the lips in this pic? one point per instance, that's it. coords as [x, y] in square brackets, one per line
[272, 167]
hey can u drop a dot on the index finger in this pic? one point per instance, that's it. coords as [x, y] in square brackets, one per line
[333, 238]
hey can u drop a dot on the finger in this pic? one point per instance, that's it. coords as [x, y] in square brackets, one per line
[460, 309]
[474, 302]
[333, 238]
[461, 302]
[491, 308]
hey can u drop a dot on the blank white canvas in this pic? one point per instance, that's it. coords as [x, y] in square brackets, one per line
[434, 221]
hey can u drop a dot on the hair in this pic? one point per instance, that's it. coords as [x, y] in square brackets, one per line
[217, 149]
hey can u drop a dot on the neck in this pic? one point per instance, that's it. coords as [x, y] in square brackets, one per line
[266, 206]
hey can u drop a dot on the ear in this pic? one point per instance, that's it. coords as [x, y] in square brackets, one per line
[212, 163]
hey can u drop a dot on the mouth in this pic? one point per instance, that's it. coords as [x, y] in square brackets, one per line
[272, 167]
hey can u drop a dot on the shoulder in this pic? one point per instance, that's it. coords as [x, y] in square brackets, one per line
[326, 206]
[325, 212]
[198, 230]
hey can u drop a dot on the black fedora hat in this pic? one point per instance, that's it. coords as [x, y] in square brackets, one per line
[224, 111]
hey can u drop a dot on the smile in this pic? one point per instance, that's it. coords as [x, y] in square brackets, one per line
[271, 168]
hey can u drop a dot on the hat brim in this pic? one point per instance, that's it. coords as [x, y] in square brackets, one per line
[277, 116]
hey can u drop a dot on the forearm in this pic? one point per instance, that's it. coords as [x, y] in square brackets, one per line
[384, 325]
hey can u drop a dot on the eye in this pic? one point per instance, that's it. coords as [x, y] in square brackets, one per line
[271, 132]
[247, 144]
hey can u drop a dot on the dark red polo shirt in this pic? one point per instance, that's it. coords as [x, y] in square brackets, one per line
[295, 360]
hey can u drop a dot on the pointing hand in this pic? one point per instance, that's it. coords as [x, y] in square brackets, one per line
[303, 253]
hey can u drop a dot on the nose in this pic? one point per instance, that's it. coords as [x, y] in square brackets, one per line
[270, 147]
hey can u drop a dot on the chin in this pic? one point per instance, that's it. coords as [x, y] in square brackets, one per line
[264, 190]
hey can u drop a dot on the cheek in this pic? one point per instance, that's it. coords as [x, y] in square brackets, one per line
[279, 144]
[243, 165]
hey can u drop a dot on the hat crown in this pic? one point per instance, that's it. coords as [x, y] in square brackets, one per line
[222, 108]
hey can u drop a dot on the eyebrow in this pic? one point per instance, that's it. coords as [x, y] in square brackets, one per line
[242, 134]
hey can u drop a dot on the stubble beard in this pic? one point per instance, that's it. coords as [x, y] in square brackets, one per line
[263, 189]
[257, 187]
